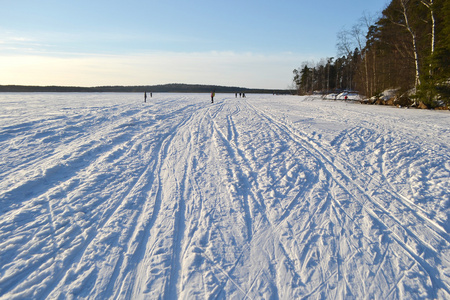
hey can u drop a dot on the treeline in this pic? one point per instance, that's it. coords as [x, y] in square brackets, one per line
[407, 48]
[164, 88]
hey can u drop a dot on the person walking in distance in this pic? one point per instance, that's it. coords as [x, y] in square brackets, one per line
[212, 96]
[145, 97]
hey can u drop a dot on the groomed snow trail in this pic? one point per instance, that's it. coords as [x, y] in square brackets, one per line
[266, 197]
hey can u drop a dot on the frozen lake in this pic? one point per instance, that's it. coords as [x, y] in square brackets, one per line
[275, 197]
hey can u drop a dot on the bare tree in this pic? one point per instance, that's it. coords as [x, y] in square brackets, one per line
[356, 37]
[344, 44]
[405, 12]
[430, 5]
[367, 21]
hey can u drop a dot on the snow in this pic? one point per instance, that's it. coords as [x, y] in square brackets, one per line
[351, 96]
[268, 197]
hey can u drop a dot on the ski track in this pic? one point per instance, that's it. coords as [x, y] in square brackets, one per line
[280, 197]
[346, 182]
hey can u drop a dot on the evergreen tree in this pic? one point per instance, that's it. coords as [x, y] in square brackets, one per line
[408, 47]
[435, 79]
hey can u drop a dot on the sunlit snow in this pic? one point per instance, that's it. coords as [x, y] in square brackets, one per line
[103, 196]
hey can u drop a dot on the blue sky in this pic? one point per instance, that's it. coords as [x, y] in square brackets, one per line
[253, 44]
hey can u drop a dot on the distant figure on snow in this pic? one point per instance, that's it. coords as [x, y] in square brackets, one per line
[212, 96]
[145, 97]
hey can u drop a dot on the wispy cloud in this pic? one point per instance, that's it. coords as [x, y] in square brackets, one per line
[16, 43]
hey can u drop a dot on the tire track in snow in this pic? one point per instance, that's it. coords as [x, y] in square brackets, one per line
[402, 152]
[301, 227]
[238, 158]
[134, 250]
[91, 236]
[54, 184]
[151, 242]
[216, 111]
[209, 118]
[57, 165]
[192, 197]
[106, 218]
[171, 291]
[338, 204]
[139, 243]
[125, 269]
[202, 145]
[183, 193]
[242, 179]
[96, 153]
[350, 185]
[428, 236]
[420, 213]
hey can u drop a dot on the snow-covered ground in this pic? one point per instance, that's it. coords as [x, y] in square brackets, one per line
[267, 197]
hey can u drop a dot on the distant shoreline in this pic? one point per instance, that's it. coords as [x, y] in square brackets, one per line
[164, 88]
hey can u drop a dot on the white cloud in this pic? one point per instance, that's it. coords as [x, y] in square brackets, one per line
[221, 68]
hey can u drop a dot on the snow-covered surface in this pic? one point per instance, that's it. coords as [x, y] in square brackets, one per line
[351, 96]
[281, 197]
[388, 94]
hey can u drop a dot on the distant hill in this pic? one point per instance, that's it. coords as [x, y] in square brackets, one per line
[163, 88]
